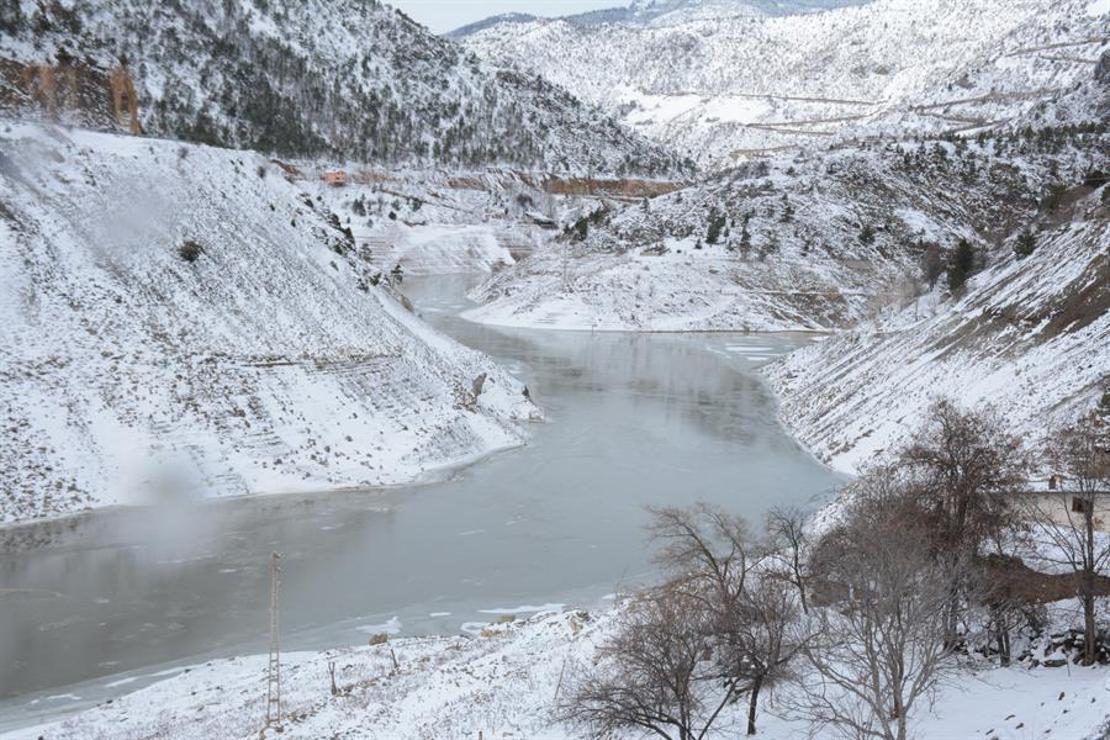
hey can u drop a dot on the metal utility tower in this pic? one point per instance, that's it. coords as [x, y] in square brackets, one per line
[273, 677]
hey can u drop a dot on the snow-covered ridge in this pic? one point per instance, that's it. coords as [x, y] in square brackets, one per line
[344, 79]
[723, 88]
[177, 318]
[1031, 339]
[666, 12]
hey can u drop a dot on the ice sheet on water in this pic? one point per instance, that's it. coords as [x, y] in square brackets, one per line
[392, 627]
[526, 609]
[748, 348]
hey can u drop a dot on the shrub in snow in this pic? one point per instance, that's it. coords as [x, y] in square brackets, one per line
[190, 251]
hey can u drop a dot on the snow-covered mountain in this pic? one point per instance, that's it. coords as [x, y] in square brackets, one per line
[494, 20]
[339, 79]
[1029, 339]
[722, 88]
[177, 317]
[667, 12]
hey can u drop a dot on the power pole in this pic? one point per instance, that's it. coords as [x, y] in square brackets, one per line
[273, 674]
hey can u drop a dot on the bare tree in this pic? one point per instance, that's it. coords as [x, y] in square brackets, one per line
[712, 557]
[655, 674]
[881, 649]
[1081, 453]
[787, 540]
[708, 548]
[768, 636]
[754, 621]
[716, 630]
[965, 472]
[1005, 615]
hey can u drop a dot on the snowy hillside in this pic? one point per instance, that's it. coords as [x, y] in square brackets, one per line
[179, 317]
[725, 88]
[1031, 339]
[351, 79]
[816, 241]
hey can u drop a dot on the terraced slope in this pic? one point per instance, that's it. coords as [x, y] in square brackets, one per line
[182, 320]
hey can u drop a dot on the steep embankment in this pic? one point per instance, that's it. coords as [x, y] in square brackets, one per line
[1031, 339]
[720, 86]
[177, 318]
[346, 79]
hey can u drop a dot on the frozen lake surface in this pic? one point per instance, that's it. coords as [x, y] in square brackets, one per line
[101, 604]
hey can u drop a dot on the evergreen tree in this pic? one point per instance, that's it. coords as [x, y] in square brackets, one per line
[582, 228]
[1026, 244]
[961, 266]
[716, 226]
[11, 17]
[867, 235]
[745, 235]
[932, 264]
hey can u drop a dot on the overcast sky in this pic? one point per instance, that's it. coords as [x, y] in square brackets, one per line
[447, 15]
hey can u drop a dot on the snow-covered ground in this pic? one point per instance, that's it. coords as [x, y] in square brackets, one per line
[181, 318]
[433, 224]
[436, 249]
[269, 362]
[505, 680]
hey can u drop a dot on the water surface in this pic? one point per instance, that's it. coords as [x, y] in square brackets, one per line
[98, 605]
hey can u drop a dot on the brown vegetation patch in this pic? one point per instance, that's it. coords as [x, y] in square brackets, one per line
[1012, 581]
[1085, 306]
[96, 97]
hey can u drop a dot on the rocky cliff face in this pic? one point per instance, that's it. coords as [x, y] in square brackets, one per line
[71, 91]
